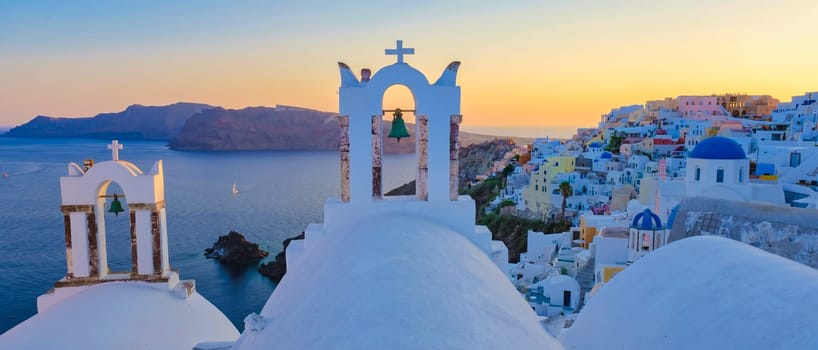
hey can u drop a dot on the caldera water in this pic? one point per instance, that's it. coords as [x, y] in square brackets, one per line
[279, 193]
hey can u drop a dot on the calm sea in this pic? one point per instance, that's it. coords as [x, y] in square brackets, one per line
[279, 194]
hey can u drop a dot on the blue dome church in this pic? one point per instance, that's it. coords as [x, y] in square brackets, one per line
[719, 168]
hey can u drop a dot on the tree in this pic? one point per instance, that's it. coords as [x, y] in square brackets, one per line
[508, 170]
[615, 141]
[566, 191]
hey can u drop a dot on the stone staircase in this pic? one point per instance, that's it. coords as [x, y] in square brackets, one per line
[585, 277]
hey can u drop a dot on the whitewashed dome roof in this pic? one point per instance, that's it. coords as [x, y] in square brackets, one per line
[123, 315]
[703, 292]
[395, 283]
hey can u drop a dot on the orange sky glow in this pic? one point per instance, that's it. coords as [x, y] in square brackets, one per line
[524, 63]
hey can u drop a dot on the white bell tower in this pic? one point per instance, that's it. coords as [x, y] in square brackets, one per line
[646, 234]
[437, 109]
[83, 206]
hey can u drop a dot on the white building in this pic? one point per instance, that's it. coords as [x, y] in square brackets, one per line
[800, 116]
[695, 132]
[541, 248]
[557, 294]
[610, 252]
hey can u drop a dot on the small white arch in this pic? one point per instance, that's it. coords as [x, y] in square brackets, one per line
[398, 74]
[100, 210]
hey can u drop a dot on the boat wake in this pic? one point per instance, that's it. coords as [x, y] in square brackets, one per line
[19, 169]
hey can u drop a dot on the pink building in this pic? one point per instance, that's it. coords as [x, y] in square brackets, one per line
[701, 108]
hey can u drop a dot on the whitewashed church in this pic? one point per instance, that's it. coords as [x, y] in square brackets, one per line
[430, 280]
[716, 168]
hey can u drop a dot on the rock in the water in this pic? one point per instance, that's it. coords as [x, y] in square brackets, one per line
[235, 249]
[276, 269]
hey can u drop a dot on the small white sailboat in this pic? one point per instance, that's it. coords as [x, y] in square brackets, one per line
[235, 189]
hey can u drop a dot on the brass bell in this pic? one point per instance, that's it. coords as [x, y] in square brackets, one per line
[398, 130]
[116, 206]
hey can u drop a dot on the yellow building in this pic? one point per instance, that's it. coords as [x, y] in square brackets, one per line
[586, 232]
[609, 271]
[558, 165]
[537, 195]
[590, 225]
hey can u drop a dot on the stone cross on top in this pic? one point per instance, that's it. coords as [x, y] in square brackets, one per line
[400, 51]
[115, 147]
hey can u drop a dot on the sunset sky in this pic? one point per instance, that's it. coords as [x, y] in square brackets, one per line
[548, 63]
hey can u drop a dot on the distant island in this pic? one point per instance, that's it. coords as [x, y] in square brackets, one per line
[137, 122]
[202, 127]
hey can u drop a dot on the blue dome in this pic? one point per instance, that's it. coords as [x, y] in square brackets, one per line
[718, 147]
[646, 220]
[595, 145]
[606, 155]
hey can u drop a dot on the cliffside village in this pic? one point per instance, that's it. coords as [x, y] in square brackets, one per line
[622, 184]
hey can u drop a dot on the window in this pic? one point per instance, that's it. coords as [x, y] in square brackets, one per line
[698, 174]
[741, 175]
[720, 175]
[795, 159]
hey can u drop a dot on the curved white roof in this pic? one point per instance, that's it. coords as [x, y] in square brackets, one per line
[703, 292]
[396, 284]
[122, 315]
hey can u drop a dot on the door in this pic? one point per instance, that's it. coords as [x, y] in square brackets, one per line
[566, 298]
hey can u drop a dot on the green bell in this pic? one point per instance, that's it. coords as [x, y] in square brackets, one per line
[116, 206]
[398, 126]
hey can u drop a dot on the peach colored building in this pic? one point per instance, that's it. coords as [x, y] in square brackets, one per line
[701, 108]
[668, 104]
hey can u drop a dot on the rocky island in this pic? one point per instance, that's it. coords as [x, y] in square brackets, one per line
[280, 128]
[137, 122]
[202, 127]
[233, 248]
